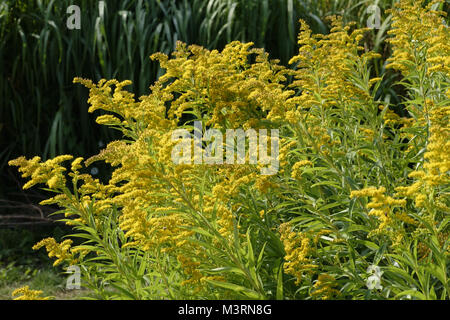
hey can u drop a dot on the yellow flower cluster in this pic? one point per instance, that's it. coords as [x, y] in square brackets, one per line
[296, 172]
[323, 66]
[435, 173]
[211, 83]
[382, 206]
[233, 178]
[421, 42]
[61, 251]
[325, 287]
[298, 249]
[25, 293]
[264, 183]
[392, 119]
[420, 36]
[49, 172]
[324, 69]
[120, 102]
[190, 268]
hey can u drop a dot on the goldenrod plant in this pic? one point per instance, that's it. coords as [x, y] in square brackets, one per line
[359, 208]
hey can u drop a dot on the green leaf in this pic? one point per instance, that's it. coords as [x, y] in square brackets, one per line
[412, 293]
[330, 205]
[236, 288]
[227, 269]
[380, 254]
[437, 272]
[369, 244]
[280, 294]
[124, 291]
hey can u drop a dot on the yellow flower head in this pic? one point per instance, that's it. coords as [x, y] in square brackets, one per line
[25, 293]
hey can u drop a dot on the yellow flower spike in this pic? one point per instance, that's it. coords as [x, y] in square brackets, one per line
[61, 251]
[76, 164]
[324, 287]
[49, 172]
[297, 168]
[409, 19]
[54, 182]
[298, 248]
[25, 293]
[382, 207]
[108, 119]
